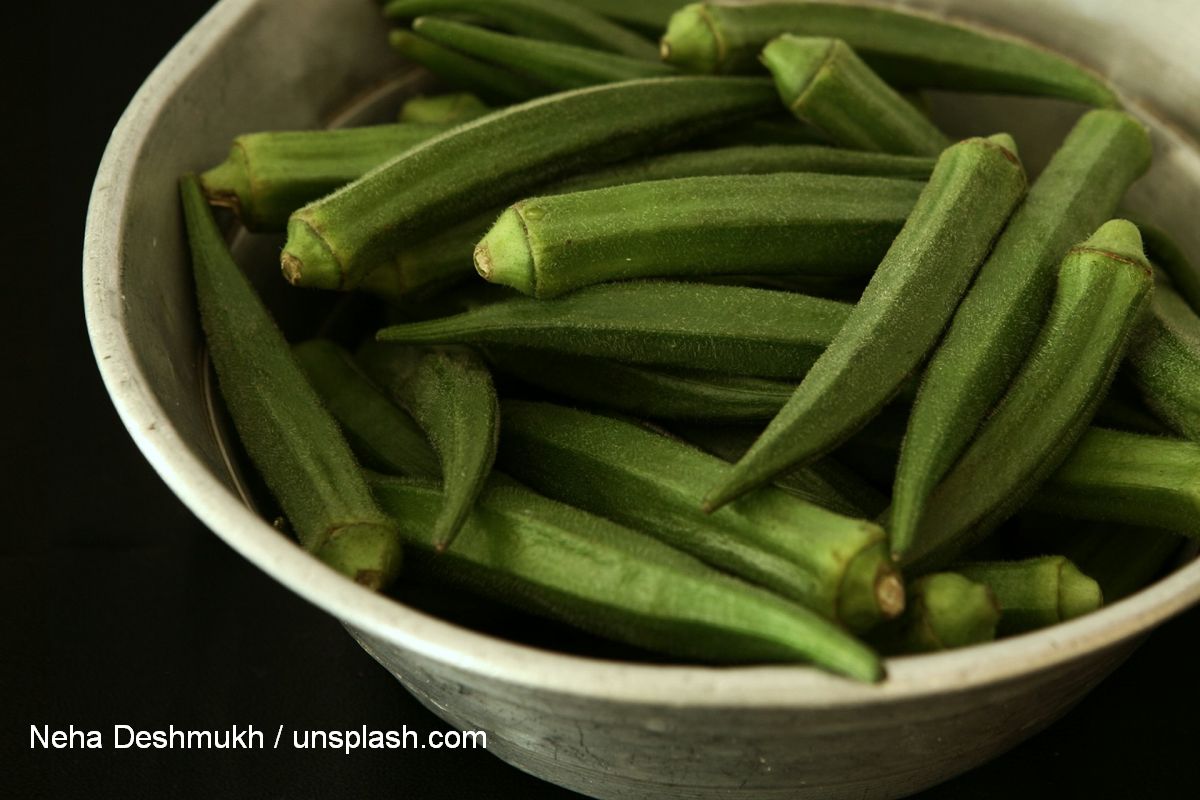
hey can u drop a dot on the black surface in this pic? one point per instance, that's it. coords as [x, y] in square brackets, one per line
[118, 607]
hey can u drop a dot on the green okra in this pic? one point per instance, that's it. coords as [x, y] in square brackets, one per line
[384, 437]
[269, 175]
[557, 65]
[462, 72]
[646, 391]
[902, 313]
[774, 130]
[739, 330]
[835, 565]
[1165, 253]
[1164, 361]
[906, 49]
[539, 19]
[450, 393]
[944, 611]
[690, 227]
[292, 441]
[1102, 288]
[995, 325]
[444, 109]
[1035, 593]
[824, 83]
[1121, 558]
[650, 16]
[1124, 409]
[557, 561]
[333, 242]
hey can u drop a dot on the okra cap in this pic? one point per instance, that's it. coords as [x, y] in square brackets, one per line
[1077, 593]
[504, 256]
[692, 41]
[307, 259]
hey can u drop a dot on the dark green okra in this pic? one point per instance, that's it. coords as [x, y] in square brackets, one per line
[650, 16]
[1121, 558]
[944, 610]
[463, 72]
[1164, 361]
[692, 227]
[733, 329]
[269, 175]
[835, 565]
[444, 109]
[900, 316]
[1102, 288]
[906, 49]
[995, 325]
[1037, 592]
[333, 242]
[557, 65]
[824, 83]
[291, 439]
[549, 558]
[1164, 252]
[539, 19]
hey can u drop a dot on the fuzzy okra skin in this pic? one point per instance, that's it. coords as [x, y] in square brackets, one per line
[463, 72]
[539, 19]
[835, 565]
[945, 610]
[644, 15]
[973, 190]
[332, 243]
[557, 65]
[734, 329]
[906, 49]
[1164, 361]
[291, 439]
[444, 109]
[561, 562]
[824, 83]
[269, 175]
[999, 318]
[690, 227]
[1035, 593]
[1102, 288]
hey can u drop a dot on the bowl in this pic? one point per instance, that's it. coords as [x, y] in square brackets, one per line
[605, 728]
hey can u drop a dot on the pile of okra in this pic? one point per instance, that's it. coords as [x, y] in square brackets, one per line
[718, 346]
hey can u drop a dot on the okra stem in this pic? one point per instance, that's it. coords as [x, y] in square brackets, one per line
[1037, 592]
[945, 610]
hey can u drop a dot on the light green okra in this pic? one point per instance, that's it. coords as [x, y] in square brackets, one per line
[906, 49]
[557, 561]
[1164, 361]
[557, 65]
[444, 109]
[1102, 288]
[902, 313]
[1037, 592]
[944, 611]
[824, 83]
[463, 72]
[333, 242]
[291, 439]
[739, 330]
[993, 329]
[835, 565]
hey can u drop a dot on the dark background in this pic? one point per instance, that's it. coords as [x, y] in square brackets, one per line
[117, 606]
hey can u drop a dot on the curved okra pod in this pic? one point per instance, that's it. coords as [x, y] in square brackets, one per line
[906, 49]
[557, 65]
[732, 329]
[900, 316]
[824, 83]
[444, 109]
[463, 72]
[999, 318]
[1035, 593]
[539, 19]
[269, 175]
[835, 565]
[1102, 288]
[292, 441]
[1164, 361]
[692, 227]
[560, 562]
[333, 242]
[944, 610]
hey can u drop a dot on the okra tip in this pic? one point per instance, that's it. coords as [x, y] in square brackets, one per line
[504, 256]
[307, 259]
[1077, 593]
[691, 41]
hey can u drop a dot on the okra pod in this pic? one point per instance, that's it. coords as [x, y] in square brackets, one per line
[1102, 287]
[995, 325]
[1164, 361]
[650, 16]
[269, 175]
[557, 65]
[824, 83]
[690, 227]
[539, 19]
[292, 441]
[1035, 593]
[902, 313]
[944, 611]
[560, 562]
[1165, 253]
[463, 72]
[906, 49]
[1121, 558]
[444, 109]
[835, 565]
[732, 329]
[334, 241]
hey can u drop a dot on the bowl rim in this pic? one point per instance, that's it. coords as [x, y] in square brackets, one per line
[222, 510]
